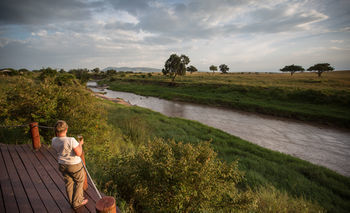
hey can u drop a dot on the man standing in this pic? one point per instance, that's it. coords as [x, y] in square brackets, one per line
[68, 154]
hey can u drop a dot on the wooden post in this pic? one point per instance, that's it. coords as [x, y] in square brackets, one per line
[106, 205]
[34, 129]
[86, 185]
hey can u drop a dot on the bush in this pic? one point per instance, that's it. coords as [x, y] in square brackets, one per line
[66, 79]
[176, 177]
[46, 102]
[47, 73]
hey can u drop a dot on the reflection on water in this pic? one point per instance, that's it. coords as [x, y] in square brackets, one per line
[318, 144]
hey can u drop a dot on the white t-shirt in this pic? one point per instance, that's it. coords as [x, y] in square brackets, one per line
[64, 147]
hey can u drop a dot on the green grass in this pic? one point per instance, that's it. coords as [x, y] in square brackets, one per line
[262, 167]
[289, 97]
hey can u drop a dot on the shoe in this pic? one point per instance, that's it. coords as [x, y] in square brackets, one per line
[84, 202]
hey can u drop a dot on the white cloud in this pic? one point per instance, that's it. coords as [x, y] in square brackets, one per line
[337, 41]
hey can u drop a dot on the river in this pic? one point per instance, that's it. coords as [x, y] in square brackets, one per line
[322, 145]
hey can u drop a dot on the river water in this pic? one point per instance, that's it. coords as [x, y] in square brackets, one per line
[322, 145]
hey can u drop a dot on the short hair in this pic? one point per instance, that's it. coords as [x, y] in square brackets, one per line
[60, 126]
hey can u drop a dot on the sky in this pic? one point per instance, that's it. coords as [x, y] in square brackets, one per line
[246, 35]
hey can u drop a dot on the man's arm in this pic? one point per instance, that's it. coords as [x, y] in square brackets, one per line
[79, 149]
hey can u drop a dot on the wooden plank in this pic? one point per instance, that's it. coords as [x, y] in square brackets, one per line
[2, 207]
[8, 200]
[59, 198]
[90, 191]
[20, 194]
[56, 175]
[28, 186]
[44, 194]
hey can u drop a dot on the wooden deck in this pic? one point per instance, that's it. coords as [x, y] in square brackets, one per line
[30, 182]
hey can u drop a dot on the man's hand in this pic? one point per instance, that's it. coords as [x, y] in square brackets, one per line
[79, 149]
[81, 141]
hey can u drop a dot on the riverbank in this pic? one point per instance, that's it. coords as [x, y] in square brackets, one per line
[115, 100]
[262, 167]
[303, 96]
[326, 146]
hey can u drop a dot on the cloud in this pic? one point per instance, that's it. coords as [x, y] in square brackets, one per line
[71, 33]
[44, 11]
[337, 41]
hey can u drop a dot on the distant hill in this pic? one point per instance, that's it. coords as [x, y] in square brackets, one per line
[134, 69]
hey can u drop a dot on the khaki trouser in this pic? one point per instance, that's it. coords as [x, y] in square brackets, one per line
[74, 178]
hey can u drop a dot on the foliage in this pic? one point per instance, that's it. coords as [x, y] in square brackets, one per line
[81, 74]
[213, 68]
[320, 68]
[96, 70]
[176, 177]
[175, 65]
[66, 79]
[47, 73]
[292, 69]
[224, 68]
[111, 72]
[47, 101]
[9, 72]
[192, 69]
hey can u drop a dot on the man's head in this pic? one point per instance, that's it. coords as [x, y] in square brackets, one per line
[61, 126]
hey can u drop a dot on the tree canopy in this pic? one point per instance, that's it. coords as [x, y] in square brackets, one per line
[176, 65]
[292, 69]
[320, 68]
[192, 69]
[213, 68]
[224, 68]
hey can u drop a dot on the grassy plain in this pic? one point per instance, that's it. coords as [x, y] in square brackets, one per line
[303, 96]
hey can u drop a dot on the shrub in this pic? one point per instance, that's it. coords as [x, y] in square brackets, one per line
[46, 102]
[66, 79]
[176, 177]
[47, 73]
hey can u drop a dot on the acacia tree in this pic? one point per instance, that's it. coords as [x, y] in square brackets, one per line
[320, 68]
[192, 69]
[96, 70]
[224, 68]
[213, 68]
[176, 65]
[292, 69]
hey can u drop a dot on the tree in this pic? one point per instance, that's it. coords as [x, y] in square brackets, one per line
[292, 69]
[96, 70]
[213, 68]
[192, 69]
[81, 74]
[111, 72]
[224, 68]
[47, 72]
[320, 68]
[175, 65]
